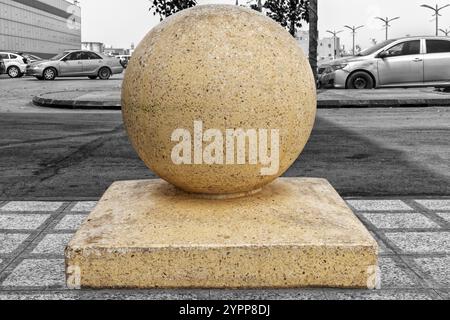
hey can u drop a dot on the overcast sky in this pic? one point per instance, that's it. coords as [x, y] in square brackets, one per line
[122, 22]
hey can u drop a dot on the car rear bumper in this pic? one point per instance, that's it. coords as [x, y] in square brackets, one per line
[117, 69]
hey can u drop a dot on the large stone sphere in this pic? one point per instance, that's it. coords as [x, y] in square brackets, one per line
[199, 77]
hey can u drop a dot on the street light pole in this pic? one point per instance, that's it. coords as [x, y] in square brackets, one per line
[353, 29]
[335, 33]
[445, 31]
[386, 24]
[436, 13]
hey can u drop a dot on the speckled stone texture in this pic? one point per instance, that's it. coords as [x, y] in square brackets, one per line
[295, 233]
[229, 67]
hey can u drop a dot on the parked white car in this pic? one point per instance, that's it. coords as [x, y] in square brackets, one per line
[75, 63]
[404, 62]
[15, 64]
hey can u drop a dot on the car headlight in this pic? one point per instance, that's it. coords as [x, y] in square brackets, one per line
[339, 66]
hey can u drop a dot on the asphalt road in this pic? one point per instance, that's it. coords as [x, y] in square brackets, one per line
[54, 154]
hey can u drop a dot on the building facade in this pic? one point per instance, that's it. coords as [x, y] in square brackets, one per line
[117, 51]
[303, 40]
[98, 47]
[40, 27]
[327, 48]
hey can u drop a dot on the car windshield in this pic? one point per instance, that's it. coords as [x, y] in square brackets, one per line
[59, 56]
[375, 48]
[33, 57]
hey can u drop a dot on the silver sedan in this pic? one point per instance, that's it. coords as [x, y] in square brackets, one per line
[405, 62]
[75, 64]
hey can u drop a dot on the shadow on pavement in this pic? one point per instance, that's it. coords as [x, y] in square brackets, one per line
[63, 157]
[358, 166]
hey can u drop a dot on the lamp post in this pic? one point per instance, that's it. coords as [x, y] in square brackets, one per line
[353, 29]
[445, 31]
[335, 33]
[436, 10]
[387, 22]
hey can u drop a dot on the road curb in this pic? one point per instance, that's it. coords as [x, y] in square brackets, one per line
[385, 103]
[49, 100]
[42, 101]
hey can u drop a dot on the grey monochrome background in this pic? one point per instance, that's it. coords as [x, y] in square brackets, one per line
[388, 155]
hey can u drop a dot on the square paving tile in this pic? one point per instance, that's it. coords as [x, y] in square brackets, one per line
[37, 296]
[444, 293]
[379, 205]
[421, 242]
[53, 244]
[31, 206]
[438, 268]
[435, 204]
[37, 273]
[292, 294]
[84, 206]
[71, 222]
[381, 245]
[400, 221]
[10, 242]
[445, 216]
[22, 221]
[394, 275]
[174, 294]
[90, 295]
[379, 295]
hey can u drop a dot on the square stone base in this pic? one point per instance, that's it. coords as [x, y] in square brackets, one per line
[296, 233]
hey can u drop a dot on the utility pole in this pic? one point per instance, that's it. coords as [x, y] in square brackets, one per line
[436, 14]
[445, 31]
[387, 22]
[335, 33]
[353, 29]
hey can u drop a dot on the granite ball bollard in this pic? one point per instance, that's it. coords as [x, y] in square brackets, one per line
[219, 100]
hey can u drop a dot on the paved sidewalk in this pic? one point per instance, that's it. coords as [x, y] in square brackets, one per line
[414, 238]
[395, 97]
[420, 97]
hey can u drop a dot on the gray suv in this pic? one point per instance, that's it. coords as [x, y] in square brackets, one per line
[405, 62]
[77, 63]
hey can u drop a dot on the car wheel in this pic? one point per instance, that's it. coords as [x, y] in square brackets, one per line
[13, 72]
[49, 74]
[104, 74]
[360, 80]
[93, 77]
